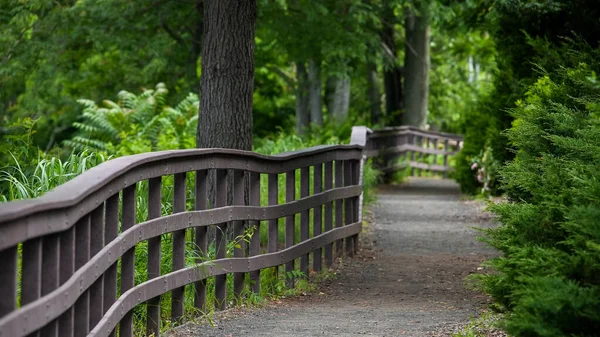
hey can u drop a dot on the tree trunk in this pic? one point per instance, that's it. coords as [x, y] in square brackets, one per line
[227, 82]
[314, 92]
[392, 74]
[338, 98]
[374, 93]
[416, 67]
[302, 112]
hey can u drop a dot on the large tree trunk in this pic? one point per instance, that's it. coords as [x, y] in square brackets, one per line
[392, 74]
[227, 82]
[374, 93]
[416, 67]
[314, 92]
[302, 87]
[338, 98]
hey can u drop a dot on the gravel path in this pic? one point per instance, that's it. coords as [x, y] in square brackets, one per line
[407, 280]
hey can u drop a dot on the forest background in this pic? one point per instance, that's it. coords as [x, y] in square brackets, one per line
[83, 81]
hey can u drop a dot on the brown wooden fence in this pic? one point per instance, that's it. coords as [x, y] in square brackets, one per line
[423, 151]
[68, 256]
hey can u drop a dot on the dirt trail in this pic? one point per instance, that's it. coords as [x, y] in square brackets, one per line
[407, 280]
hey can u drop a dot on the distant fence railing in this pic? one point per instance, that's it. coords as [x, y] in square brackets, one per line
[60, 252]
[68, 257]
[396, 148]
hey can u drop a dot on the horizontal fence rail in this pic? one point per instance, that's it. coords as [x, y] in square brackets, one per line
[68, 257]
[398, 148]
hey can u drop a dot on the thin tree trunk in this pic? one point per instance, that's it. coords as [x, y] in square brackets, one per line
[227, 83]
[302, 112]
[392, 74]
[314, 93]
[374, 93]
[338, 98]
[416, 66]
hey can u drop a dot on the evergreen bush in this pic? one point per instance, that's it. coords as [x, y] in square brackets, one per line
[549, 274]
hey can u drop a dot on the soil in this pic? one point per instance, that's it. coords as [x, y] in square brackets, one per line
[407, 280]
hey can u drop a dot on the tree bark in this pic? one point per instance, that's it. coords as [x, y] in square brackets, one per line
[227, 81]
[302, 112]
[374, 93]
[338, 98]
[392, 74]
[314, 92]
[416, 67]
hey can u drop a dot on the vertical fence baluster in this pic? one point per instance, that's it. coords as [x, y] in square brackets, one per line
[356, 172]
[327, 226]
[317, 215]
[238, 231]
[348, 205]
[273, 190]
[8, 280]
[221, 241]
[304, 230]
[435, 148]
[67, 267]
[200, 237]
[128, 259]
[50, 266]
[413, 154]
[255, 240]
[154, 211]
[82, 255]
[96, 244]
[31, 272]
[446, 158]
[178, 249]
[290, 222]
[110, 233]
[339, 222]
[427, 155]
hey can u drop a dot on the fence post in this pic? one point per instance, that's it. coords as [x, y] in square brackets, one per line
[200, 237]
[255, 240]
[154, 211]
[238, 231]
[50, 275]
[128, 259]
[290, 222]
[317, 215]
[273, 191]
[349, 205]
[221, 240]
[110, 233]
[8, 280]
[178, 248]
[446, 158]
[328, 214]
[82, 255]
[339, 222]
[304, 230]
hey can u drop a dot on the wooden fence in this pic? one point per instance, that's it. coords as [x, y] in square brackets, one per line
[68, 256]
[397, 148]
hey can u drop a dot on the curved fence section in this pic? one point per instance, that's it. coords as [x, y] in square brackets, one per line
[68, 257]
[397, 148]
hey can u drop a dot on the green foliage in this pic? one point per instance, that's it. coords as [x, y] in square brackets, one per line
[525, 32]
[550, 234]
[136, 124]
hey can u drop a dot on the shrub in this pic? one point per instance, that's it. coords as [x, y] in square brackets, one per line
[550, 233]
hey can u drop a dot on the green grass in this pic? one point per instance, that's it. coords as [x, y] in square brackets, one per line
[483, 326]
